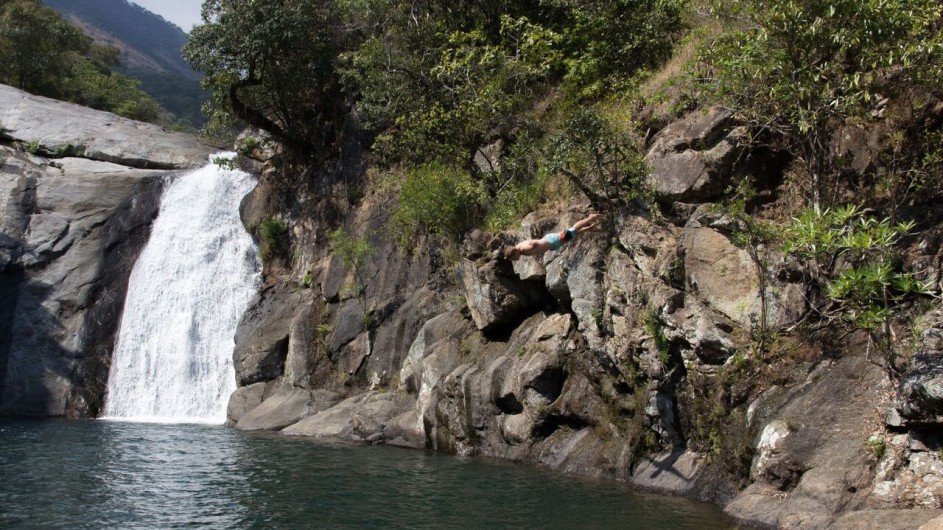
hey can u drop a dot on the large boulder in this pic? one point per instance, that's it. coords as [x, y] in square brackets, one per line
[280, 410]
[56, 126]
[262, 337]
[919, 399]
[496, 296]
[729, 280]
[812, 458]
[692, 158]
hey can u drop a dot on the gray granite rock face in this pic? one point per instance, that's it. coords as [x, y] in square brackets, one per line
[919, 400]
[690, 159]
[71, 233]
[58, 126]
[629, 354]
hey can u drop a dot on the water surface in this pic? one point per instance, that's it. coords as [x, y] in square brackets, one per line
[98, 474]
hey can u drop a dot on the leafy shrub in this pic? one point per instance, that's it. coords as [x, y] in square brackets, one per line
[474, 82]
[607, 167]
[273, 234]
[854, 256]
[804, 67]
[228, 164]
[607, 41]
[354, 251]
[439, 200]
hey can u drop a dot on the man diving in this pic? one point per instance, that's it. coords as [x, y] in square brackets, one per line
[553, 240]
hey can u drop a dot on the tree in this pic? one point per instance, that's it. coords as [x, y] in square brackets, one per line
[802, 68]
[606, 41]
[38, 47]
[272, 64]
[603, 164]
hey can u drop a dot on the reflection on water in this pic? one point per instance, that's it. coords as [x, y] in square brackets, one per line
[60, 474]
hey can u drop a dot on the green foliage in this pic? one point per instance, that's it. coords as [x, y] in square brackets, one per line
[321, 333]
[180, 96]
[656, 330]
[867, 285]
[273, 234]
[756, 237]
[606, 42]
[438, 78]
[308, 280]
[354, 251]
[32, 147]
[606, 166]
[45, 55]
[248, 145]
[63, 150]
[877, 446]
[439, 200]
[88, 85]
[273, 66]
[230, 164]
[175, 87]
[440, 105]
[37, 45]
[803, 67]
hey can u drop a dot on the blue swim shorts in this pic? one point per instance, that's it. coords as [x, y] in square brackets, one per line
[557, 239]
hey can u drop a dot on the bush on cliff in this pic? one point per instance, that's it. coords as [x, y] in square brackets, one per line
[803, 68]
[440, 200]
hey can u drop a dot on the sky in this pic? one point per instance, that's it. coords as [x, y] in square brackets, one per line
[184, 13]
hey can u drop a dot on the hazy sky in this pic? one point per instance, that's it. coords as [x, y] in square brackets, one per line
[184, 13]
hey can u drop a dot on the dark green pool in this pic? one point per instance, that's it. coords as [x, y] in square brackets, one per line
[96, 474]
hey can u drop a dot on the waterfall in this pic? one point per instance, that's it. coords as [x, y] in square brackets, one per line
[189, 288]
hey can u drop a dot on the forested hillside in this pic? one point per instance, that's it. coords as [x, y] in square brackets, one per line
[150, 50]
[45, 55]
[574, 90]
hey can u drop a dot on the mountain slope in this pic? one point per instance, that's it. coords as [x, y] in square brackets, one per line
[146, 40]
[150, 50]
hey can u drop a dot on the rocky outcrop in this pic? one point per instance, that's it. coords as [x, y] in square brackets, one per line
[58, 128]
[919, 399]
[691, 158]
[608, 358]
[70, 231]
[633, 353]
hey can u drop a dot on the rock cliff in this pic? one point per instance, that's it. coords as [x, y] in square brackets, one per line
[624, 355]
[78, 191]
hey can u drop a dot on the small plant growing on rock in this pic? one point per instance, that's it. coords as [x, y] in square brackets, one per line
[877, 446]
[321, 333]
[308, 280]
[354, 251]
[273, 236]
[228, 164]
[32, 147]
[854, 256]
[62, 150]
[248, 145]
[656, 330]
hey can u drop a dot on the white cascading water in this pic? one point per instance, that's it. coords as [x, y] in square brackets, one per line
[190, 286]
